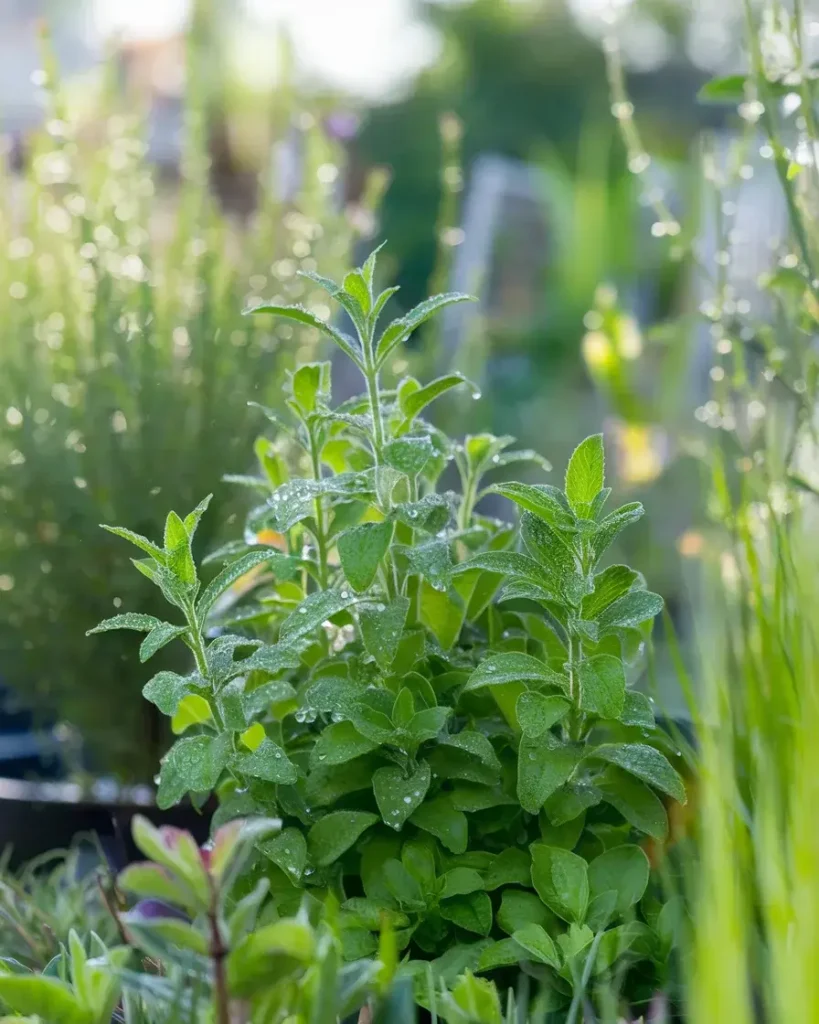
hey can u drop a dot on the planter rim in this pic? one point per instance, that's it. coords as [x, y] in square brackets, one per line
[102, 792]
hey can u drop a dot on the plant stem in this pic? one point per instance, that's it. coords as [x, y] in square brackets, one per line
[321, 536]
[371, 374]
[577, 1000]
[200, 657]
[780, 160]
[217, 955]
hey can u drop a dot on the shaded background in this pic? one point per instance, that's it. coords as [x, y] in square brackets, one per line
[166, 162]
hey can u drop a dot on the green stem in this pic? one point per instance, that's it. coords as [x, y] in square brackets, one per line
[781, 162]
[371, 373]
[321, 529]
[198, 648]
[580, 990]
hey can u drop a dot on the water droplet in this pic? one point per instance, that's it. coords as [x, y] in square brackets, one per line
[302, 611]
[321, 757]
[417, 793]
[532, 757]
[344, 595]
[476, 395]
[407, 800]
[413, 514]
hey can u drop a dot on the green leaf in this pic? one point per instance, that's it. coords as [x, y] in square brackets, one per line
[48, 998]
[313, 611]
[544, 764]
[611, 583]
[613, 524]
[339, 743]
[627, 612]
[542, 500]
[356, 287]
[192, 518]
[460, 882]
[193, 764]
[442, 613]
[193, 709]
[160, 635]
[151, 881]
[303, 316]
[513, 667]
[601, 910]
[547, 546]
[431, 513]
[409, 455]
[382, 628]
[639, 805]
[512, 867]
[333, 695]
[537, 713]
[510, 563]
[335, 833]
[476, 744]
[727, 89]
[374, 724]
[399, 330]
[602, 685]
[327, 783]
[473, 913]
[288, 850]
[178, 549]
[431, 560]
[637, 710]
[414, 403]
[270, 659]
[418, 855]
[268, 761]
[361, 550]
[227, 577]
[519, 908]
[538, 944]
[624, 870]
[561, 880]
[570, 801]
[646, 762]
[402, 885]
[440, 819]
[427, 723]
[310, 383]
[399, 795]
[139, 541]
[503, 953]
[130, 620]
[585, 473]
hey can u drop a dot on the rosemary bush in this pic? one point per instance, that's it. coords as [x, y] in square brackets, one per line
[436, 703]
[124, 373]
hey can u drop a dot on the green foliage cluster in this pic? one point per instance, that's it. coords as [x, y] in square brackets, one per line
[436, 703]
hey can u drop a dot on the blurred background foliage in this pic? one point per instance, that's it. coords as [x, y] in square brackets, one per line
[156, 181]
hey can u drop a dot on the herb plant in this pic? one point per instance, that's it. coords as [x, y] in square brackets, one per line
[435, 702]
[123, 338]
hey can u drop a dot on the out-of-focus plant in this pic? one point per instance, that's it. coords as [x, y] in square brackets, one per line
[125, 371]
[753, 870]
[41, 903]
[201, 945]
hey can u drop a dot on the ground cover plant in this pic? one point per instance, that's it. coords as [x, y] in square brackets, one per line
[436, 704]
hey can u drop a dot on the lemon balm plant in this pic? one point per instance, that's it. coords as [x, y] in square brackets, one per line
[436, 703]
